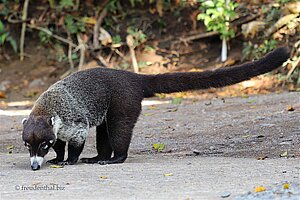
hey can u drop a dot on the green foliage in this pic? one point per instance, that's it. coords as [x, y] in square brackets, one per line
[65, 3]
[44, 37]
[133, 2]
[138, 36]
[113, 6]
[177, 100]
[6, 37]
[217, 16]
[116, 39]
[251, 50]
[4, 11]
[74, 26]
[285, 1]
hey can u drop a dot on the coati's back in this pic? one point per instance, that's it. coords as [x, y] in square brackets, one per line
[90, 92]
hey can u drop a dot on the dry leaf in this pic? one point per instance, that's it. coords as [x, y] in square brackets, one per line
[168, 174]
[284, 154]
[10, 147]
[56, 166]
[148, 114]
[262, 157]
[286, 186]
[2, 94]
[290, 108]
[260, 189]
[104, 177]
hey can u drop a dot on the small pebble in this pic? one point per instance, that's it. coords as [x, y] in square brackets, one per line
[225, 194]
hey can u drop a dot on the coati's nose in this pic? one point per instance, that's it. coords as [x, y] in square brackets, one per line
[35, 166]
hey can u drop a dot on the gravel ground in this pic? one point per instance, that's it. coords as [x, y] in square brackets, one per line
[211, 150]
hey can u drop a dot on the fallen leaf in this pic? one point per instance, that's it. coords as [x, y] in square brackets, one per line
[148, 114]
[168, 174]
[152, 107]
[176, 100]
[286, 186]
[260, 189]
[172, 110]
[89, 20]
[251, 101]
[262, 157]
[104, 177]
[284, 154]
[290, 108]
[2, 94]
[10, 147]
[246, 136]
[158, 147]
[56, 166]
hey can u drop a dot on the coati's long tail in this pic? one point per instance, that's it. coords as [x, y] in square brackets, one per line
[177, 82]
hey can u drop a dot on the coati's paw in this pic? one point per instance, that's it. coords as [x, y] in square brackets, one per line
[67, 162]
[92, 160]
[54, 161]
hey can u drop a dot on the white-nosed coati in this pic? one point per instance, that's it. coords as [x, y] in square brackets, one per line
[111, 100]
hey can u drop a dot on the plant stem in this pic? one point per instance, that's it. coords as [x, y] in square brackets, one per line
[24, 17]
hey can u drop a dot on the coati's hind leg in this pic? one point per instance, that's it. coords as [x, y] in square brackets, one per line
[120, 126]
[59, 148]
[103, 145]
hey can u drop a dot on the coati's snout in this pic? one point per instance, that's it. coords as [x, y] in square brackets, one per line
[38, 137]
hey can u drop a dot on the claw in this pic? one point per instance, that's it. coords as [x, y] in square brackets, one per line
[102, 162]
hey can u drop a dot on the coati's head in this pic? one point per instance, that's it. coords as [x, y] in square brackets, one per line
[38, 136]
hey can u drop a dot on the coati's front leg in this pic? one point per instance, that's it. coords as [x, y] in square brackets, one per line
[74, 150]
[59, 148]
[103, 145]
[116, 137]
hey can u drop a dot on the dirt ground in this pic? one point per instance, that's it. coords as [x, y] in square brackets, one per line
[211, 147]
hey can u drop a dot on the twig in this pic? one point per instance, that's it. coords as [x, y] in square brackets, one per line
[99, 59]
[70, 53]
[52, 34]
[96, 43]
[22, 38]
[81, 46]
[195, 37]
[129, 40]
[296, 64]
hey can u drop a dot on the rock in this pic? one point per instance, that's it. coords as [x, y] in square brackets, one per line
[196, 152]
[36, 83]
[4, 85]
[225, 194]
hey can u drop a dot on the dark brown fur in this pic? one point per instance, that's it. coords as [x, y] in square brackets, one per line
[111, 100]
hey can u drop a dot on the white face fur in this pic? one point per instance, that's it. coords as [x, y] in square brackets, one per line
[37, 159]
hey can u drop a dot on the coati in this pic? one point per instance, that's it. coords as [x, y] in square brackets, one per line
[111, 100]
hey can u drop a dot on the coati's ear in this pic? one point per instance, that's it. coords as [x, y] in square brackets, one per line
[51, 121]
[24, 121]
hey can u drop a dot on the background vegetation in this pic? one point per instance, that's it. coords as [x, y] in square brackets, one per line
[120, 34]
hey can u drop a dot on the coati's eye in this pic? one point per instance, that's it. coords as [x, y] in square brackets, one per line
[43, 145]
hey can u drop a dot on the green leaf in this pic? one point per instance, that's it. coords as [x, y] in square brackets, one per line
[2, 28]
[158, 147]
[3, 38]
[176, 100]
[13, 43]
[66, 3]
